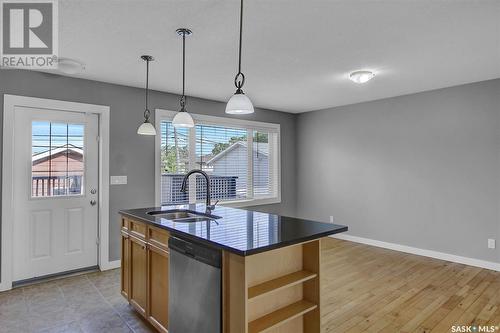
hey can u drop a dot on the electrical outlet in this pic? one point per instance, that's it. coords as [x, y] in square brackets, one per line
[491, 243]
[331, 219]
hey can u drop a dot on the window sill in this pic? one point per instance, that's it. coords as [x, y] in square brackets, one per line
[251, 202]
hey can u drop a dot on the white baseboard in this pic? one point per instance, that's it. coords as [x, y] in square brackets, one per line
[5, 286]
[421, 252]
[110, 265]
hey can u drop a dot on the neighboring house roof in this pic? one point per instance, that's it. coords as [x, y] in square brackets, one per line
[206, 158]
[38, 158]
[262, 149]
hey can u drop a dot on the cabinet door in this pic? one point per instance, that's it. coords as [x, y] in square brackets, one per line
[138, 274]
[125, 266]
[158, 287]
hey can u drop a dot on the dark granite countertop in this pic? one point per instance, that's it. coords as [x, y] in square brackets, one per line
[243, 232]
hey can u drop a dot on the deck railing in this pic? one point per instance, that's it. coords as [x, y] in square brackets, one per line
[44, 186]
[222, 188]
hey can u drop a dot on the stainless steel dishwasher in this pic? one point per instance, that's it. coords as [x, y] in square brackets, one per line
[195, 288]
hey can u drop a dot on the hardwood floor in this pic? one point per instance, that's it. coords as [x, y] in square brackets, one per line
[365, 289]
[369, 289]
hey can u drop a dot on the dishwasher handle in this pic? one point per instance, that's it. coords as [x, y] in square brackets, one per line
[205, 254]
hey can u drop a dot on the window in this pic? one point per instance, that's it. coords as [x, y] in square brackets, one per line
[174, 154]
[57, 165]
[222, 153]
[241, 158]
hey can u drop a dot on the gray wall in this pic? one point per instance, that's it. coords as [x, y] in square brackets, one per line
[133, 155]
[421, 170]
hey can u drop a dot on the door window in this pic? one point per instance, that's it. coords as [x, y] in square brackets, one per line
[57, 159]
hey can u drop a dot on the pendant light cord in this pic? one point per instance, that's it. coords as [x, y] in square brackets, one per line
[147, 113]
[239, 80]
[241, 35]
[183, 97]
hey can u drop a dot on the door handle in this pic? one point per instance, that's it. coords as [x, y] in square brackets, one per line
[93, 202]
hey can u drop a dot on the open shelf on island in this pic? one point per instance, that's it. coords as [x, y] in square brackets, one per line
[280, 283]
[280, 316]
[274, 291]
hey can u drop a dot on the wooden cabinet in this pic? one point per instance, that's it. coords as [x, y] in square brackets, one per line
[158, 287]
[138, 274]
[144, 269]
[273, 291]
[125, 265]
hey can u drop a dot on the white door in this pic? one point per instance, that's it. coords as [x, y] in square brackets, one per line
[55, 192]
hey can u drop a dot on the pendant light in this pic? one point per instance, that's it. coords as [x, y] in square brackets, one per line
[146, 127]
[183, 119]
[239, 103]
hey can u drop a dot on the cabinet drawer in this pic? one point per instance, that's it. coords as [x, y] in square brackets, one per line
[158, 237]
[125, 224]
[137, 229]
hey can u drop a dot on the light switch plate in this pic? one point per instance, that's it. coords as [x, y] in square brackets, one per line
[491, 243]
[118, 180]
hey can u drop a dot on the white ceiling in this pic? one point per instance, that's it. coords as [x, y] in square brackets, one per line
[297, 54]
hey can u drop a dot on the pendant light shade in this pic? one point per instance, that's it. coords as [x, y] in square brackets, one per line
[239, 103]
[183, 119]
[146, 128]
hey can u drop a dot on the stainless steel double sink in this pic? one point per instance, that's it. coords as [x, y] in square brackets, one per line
[184, 215]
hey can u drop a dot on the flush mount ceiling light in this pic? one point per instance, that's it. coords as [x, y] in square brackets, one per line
[361, 76]
[146, 127]
[239, 103]
[70, 66]
[183, 119]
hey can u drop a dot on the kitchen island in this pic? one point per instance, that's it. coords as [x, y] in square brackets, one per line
[270, 265]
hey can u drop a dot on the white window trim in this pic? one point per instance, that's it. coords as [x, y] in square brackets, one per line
[167, 115]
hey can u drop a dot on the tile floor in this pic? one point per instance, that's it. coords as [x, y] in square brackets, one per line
[85, 303]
